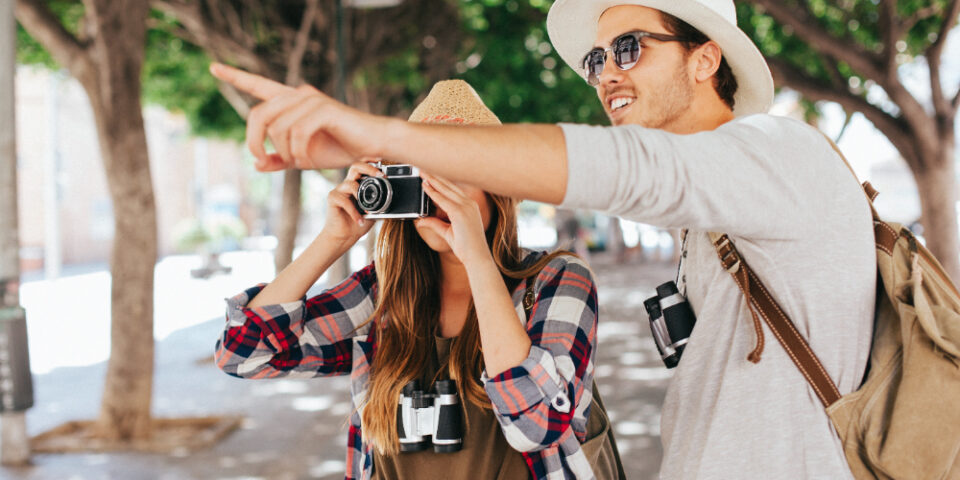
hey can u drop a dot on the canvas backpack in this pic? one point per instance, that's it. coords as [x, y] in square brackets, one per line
[903, 422]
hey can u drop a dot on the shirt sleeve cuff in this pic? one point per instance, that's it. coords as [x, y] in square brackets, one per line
[238, 313]
[516, 390]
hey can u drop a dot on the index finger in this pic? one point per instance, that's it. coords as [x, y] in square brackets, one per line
[363, 168]
[442, 183]
[260, 87]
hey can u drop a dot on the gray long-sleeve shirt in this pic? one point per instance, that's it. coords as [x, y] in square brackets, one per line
[801, 221]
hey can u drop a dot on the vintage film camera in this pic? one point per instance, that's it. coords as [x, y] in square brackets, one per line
[399, 194]
[430, 418]
[671, 321]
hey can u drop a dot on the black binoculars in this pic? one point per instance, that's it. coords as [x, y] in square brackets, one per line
[671, 321]
[430, 418]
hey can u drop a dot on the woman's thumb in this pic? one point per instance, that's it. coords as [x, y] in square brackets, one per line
[432, 224]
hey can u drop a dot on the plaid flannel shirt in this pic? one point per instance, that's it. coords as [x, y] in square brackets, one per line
[542, 404]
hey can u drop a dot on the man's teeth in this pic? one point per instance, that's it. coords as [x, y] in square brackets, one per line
[618, 103]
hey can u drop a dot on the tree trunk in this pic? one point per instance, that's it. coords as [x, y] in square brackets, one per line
[937, 186]
[289, 226]
[341, 268]
[118, 54]
[615, 244]
[289, 218]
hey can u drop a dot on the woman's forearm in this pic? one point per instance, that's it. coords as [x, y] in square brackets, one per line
[293, 282]
[502, 334]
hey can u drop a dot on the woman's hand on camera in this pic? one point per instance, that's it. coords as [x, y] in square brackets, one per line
[465, 232]
[345, 223]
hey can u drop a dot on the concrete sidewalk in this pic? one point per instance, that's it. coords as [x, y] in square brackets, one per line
[296, 429]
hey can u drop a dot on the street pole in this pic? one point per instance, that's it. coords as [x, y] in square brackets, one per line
[342, 268]
[52, 244]
[16, 386]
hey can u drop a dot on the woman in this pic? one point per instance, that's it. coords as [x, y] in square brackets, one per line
[444, 299]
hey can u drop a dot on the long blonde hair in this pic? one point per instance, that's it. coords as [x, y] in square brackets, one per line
[408, 311]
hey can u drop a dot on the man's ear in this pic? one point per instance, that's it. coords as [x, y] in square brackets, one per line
[708, 57]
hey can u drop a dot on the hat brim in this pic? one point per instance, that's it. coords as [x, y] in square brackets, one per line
[572, 26]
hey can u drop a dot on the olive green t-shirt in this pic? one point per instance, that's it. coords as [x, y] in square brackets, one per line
[485, 453]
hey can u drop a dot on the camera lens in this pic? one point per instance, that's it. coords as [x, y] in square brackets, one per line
[374, 194]
[370, 195]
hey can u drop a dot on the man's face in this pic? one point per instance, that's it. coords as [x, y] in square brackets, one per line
[658, 90]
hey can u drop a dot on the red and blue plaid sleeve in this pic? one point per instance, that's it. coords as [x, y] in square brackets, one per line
[306, 338]
[538, 403]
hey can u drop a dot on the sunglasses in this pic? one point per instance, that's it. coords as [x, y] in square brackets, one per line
[626, 53]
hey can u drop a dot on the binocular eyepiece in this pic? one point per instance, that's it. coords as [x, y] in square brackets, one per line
[430, 418]
[671, 322]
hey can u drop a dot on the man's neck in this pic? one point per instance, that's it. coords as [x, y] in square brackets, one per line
[702, 115]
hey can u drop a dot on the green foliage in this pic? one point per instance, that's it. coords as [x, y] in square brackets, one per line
[509, 61]
[175, 76]
[856, 22]
[30, 52]
[507, 57]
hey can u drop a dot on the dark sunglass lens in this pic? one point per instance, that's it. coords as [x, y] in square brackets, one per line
[593, 63]
[626, 51]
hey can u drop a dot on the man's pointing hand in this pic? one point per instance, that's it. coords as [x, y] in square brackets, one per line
[307, 128]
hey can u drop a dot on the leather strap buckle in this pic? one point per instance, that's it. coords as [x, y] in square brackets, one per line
[729, 258]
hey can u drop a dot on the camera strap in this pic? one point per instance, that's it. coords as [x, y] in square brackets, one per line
[783, 328]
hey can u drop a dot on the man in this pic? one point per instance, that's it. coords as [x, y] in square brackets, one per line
[691, 148]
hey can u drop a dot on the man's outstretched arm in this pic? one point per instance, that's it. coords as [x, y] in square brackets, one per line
[521, 160]
[311, 130]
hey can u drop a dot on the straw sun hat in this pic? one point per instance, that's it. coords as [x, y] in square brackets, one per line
[572, 25]
[453, 102]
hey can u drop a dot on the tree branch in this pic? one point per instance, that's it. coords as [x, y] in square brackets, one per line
[235, 99]
[895, 129]
[847, 120]
[214, 41]
[295, 62]
[922, 14]
[805, 26]
[890, 30]
[46, 28]
[934, 58]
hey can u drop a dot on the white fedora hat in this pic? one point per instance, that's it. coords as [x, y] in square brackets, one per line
[572, 26]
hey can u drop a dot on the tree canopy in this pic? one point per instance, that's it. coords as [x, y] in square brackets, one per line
[504, 53]
[851, 52]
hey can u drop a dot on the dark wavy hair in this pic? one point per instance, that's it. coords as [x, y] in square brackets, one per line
[724, 82]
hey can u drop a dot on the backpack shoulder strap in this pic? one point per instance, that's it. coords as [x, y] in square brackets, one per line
[884, 235]
[868, 189]
[760, 301]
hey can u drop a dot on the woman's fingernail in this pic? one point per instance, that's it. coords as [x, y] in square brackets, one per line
[360, 222]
